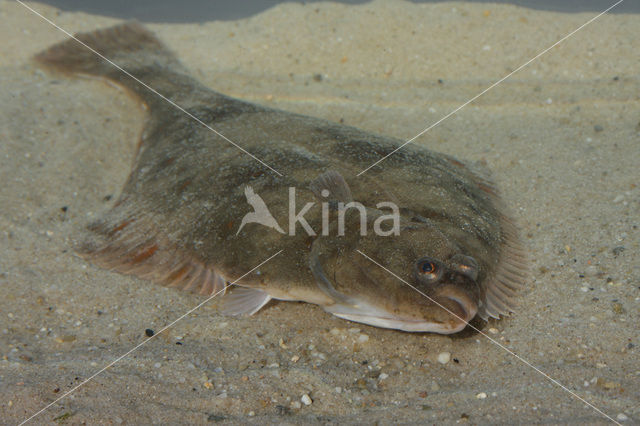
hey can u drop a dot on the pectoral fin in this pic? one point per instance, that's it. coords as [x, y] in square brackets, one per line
[244, 301]
[330, 186]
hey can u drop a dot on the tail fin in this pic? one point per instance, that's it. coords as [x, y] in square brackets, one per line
[131, 47]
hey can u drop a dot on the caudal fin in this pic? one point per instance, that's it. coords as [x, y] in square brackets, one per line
[131, 47]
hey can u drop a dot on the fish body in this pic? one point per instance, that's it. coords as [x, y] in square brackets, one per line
[188, 216]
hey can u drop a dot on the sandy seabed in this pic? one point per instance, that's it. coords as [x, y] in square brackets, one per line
[562, 137]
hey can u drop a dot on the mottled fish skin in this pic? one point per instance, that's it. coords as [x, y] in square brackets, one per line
[176, 220]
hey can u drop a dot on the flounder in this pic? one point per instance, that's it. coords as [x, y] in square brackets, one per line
[197, 212]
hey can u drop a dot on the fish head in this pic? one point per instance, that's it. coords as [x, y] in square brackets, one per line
[415, 281]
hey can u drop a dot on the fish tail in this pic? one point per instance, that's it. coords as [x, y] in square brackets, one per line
[128, 54]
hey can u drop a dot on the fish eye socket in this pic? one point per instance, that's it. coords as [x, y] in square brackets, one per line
[428, 270]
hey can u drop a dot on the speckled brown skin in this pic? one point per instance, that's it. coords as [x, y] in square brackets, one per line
[176, 220]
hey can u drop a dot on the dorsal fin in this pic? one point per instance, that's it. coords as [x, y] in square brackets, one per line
[509, 276]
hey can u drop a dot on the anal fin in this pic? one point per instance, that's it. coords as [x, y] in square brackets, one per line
[130, 243]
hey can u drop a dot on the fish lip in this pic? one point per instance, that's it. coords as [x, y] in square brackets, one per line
[462, 307]
[467, 309]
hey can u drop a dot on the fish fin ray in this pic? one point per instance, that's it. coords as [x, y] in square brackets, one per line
[127, 242]
[244, 301]
[510, 276]
[131, 46]
[333, 182]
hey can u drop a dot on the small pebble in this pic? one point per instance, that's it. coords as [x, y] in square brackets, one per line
[618, 308]
[481, 395]
[617, 250]
[363, 338]
[306, 400]
[622, 417]
[444, 357]
[383, 376]
[148, 332]
[598, 128]
[66, 339]
[296, 405]
[493, 330]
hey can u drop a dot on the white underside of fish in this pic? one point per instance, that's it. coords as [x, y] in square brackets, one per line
[366, 313]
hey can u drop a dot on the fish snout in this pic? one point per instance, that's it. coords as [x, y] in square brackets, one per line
[461, 306]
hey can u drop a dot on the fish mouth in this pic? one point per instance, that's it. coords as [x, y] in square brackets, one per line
[460, 305]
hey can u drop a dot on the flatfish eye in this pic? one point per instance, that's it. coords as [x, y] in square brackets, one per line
[428, 270]
[466, 265]
[427, 267]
